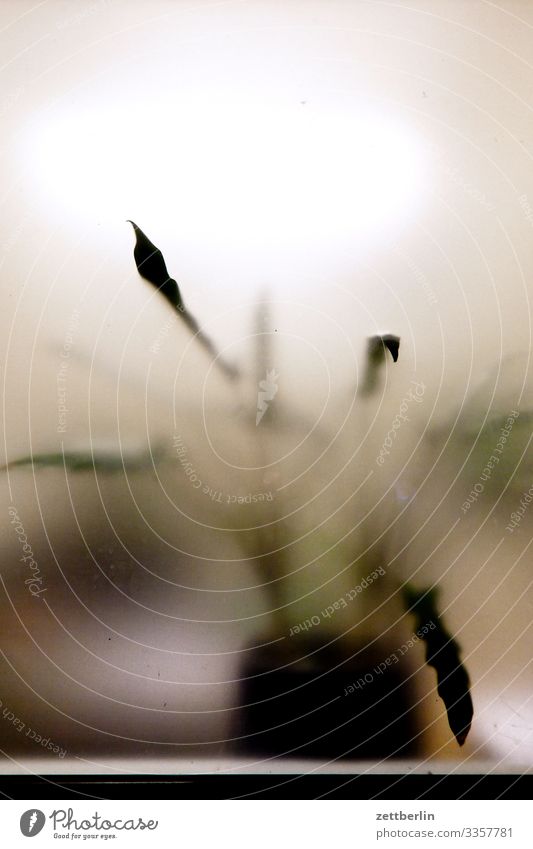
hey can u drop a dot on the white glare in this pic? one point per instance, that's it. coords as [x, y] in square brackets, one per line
[232, 174]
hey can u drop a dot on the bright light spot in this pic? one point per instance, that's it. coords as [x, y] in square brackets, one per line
[244, 177]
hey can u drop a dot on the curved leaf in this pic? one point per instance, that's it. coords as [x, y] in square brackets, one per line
[442, 652]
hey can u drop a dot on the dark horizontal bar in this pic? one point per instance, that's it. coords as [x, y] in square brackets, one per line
[277, 786]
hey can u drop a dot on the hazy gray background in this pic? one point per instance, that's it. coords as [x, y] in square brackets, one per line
[355, 168]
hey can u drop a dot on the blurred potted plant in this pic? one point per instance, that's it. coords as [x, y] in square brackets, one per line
[332, 674]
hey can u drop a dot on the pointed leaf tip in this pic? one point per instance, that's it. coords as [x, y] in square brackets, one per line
[152, 267]
[392, 343]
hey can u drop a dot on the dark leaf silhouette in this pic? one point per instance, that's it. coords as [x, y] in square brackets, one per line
[376, 348]
[377, 345]
[442, 652]
[151, 265]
